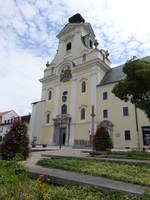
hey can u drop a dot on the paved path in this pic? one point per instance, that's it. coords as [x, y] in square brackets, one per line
[65, 177]
[81, 153]
[65, 151]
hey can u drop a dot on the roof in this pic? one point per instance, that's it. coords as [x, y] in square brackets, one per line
[6, 112]
[37, 102]
[147, 58]
[116, 74]
[26, 118]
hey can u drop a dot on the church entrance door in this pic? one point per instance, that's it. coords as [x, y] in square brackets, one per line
[63, 135]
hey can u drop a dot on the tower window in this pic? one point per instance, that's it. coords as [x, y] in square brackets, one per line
[83, 114]
[91, 44]
[83, 87]
[47, 118]
[64, 109]
[65, 93]
[49, 95]
[68, 47]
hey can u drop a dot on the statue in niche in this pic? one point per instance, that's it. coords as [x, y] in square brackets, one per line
[65, 74]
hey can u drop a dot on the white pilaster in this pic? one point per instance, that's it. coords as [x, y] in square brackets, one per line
[72, 111]
[55, 112]
[93, 95]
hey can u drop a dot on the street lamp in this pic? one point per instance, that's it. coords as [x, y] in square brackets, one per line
[60, 136]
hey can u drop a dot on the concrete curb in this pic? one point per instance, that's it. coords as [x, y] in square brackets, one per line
[42, 149]
[103, 159]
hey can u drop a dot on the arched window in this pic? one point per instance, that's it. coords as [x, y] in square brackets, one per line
[50, 95]
[83, 87]
[47, 118]
[64, 109]
[82, 114]
[68, 47]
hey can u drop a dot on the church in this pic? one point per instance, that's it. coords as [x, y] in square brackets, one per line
[76, 95]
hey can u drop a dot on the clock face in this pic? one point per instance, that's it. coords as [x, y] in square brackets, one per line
[64, 98]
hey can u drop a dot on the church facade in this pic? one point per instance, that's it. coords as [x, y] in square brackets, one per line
[76, 95]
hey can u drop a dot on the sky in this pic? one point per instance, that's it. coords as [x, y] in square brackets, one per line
[28, 30]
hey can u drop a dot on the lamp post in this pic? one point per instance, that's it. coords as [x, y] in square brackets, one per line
[92, 129]
[60, 136]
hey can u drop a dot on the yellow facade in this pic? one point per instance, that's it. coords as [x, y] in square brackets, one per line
[78, 60]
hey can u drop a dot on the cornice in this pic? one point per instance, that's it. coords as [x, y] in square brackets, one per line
[78, 68]
[90, 64]
[48, 78]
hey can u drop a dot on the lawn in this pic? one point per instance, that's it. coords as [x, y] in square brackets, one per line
[133, 173]
[124, 155]
[15, 184]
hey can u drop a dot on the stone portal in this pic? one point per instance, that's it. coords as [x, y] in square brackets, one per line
[62, 129]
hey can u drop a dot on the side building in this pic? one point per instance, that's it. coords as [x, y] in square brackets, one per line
[6, 119]
[76, 95]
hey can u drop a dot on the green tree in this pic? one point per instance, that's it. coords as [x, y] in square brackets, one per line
[101, 140]
[16, 143]
[136, 86]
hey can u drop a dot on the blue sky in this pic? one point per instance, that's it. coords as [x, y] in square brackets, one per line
[28, 30]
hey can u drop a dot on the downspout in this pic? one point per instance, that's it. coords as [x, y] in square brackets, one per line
[137, 127]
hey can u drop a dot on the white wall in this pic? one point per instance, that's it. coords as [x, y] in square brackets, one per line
[36, 121]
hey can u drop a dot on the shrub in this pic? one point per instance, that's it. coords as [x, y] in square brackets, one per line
[101, 140]
[16, 143]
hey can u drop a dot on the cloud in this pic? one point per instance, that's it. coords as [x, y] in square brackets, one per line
[28, 30]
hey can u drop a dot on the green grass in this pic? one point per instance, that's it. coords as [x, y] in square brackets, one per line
[124, 155]
[15, 184]
[133, 173]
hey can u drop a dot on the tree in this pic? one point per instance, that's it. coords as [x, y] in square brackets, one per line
[136, 85]
[101, 140]
[16, 142]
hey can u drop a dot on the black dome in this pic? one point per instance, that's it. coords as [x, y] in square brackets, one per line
[77, 18]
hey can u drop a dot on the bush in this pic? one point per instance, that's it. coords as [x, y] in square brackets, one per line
[102, 140]
[16, 143]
